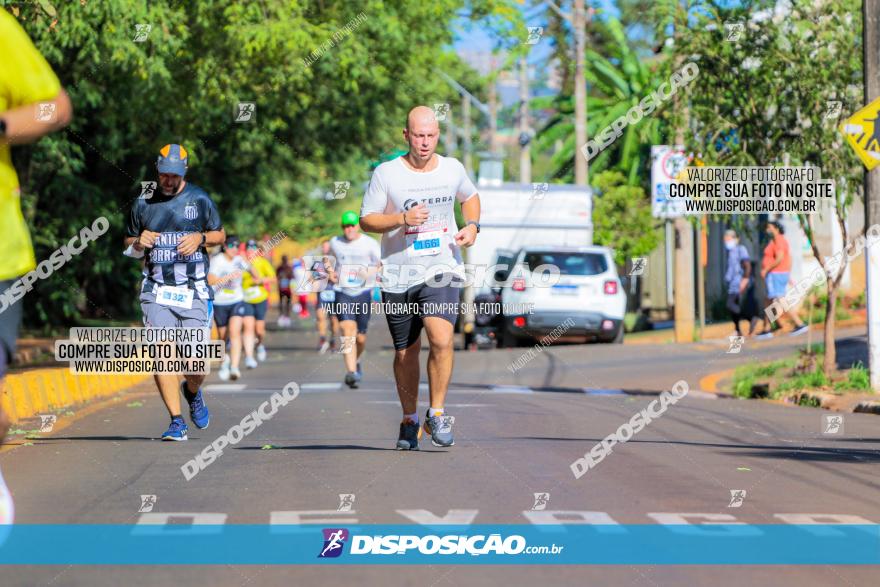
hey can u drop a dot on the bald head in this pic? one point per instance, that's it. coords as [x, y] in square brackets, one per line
[421, 116]
[422, 133]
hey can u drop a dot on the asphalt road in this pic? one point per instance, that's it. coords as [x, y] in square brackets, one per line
[516, 435]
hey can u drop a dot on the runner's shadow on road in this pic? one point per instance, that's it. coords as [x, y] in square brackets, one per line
[318, 447]
[803, 453]
[105, 438]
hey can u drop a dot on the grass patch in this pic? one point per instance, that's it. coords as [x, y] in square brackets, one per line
[800, 381]
[856, 379]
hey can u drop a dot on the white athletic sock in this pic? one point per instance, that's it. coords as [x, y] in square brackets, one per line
[413, 417]
[435, 412]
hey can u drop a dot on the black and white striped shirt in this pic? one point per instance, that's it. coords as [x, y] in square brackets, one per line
[192, 210]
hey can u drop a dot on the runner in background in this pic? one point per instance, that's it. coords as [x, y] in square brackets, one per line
[326, 297]
[355, 261]
[284, 272]
[176, 225]
[232, 315]
[300, 276]
[256, 292]
[27, 85]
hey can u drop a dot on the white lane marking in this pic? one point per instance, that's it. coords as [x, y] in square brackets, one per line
[510, 389]
[221, 387]
[313, 387]
[702, 394]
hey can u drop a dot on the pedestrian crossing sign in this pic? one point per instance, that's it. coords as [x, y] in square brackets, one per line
[862, 131]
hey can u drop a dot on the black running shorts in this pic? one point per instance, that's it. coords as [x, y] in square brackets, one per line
[406, 310]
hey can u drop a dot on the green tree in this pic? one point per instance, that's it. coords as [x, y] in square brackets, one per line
[615, 202]
[762, 98]
[332, 82]
[617, 81]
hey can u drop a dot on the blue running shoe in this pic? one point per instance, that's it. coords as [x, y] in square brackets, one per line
[408, 439]
[440, 429]
[198, 411]
[177, 430]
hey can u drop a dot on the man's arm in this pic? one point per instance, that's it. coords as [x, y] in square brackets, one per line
[470, 209]
[190, 243]
[376, 222]
[24, 126]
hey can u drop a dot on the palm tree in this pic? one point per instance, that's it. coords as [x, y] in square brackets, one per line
[616, 83]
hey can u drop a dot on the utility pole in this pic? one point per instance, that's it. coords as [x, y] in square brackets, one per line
[466, 142]
[449, 138]
[871, 42]
[683, 295]
[493, 110]
[579, 24]
[525, 148]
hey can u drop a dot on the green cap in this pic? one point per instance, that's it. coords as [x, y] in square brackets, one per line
[349, 217]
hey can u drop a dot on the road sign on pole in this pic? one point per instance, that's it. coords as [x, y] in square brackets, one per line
[871, 43]
[666, 164]
[862, 132]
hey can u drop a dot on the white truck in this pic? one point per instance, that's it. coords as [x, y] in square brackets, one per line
[515, 216]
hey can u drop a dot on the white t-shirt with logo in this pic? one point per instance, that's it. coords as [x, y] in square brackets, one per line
[229, 290]
[353, 260]
[408, 252]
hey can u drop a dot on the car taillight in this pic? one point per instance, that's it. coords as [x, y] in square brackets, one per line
[610, 287]
[519, 284]
[519, 322]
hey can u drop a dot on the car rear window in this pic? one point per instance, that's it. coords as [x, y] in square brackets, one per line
[569, 263]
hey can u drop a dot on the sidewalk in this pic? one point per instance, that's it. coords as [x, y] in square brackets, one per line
[721, 330]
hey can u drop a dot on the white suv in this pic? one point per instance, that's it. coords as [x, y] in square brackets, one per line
[588, 291]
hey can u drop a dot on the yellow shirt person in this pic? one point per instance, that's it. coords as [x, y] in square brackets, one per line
[254, 290]
[25, 78]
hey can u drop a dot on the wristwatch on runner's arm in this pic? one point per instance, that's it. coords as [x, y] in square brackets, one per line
[475, 223]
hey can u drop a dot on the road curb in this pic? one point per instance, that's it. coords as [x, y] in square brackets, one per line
[709, 383]
[29, 393]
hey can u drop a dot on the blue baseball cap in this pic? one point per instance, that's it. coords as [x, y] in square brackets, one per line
[172, 159]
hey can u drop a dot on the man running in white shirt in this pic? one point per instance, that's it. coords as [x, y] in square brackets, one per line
[233, 316]
[353, 273]
[411, 201]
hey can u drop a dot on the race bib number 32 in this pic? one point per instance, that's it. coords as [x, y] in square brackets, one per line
[179, 297]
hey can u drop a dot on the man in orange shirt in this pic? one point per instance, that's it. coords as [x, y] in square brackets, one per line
[775, 269]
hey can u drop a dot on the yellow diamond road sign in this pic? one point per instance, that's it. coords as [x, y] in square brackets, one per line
[862, 131]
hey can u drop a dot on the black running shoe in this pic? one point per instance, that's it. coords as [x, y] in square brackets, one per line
[408, 439]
